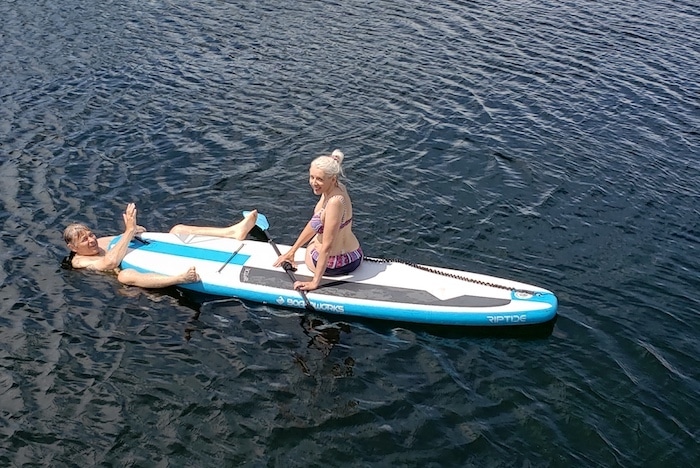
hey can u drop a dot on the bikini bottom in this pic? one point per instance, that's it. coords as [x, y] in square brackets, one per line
[340, 264]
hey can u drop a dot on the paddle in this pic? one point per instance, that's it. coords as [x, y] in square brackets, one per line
[263, 225]
[143, 241]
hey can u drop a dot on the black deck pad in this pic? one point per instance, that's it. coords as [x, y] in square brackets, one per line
[279, 279]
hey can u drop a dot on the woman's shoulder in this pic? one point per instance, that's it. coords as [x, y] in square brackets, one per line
[338, 201]
[82, 261]
[341, 197]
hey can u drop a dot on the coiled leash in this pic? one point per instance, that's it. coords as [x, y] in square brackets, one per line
[449, 275]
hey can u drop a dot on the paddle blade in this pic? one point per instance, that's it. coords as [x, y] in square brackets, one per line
[259, 234]
[261, 221]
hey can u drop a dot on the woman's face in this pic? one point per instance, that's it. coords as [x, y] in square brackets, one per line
[320, 182]
[85, 243]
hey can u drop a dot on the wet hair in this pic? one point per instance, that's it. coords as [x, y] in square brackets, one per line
[331, 164]
[67, 262]
[72, 232]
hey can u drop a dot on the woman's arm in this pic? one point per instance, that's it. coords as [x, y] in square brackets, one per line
[306, 235]
[116, 254]
[331, 227]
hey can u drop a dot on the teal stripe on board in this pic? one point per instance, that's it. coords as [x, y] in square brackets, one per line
[187, 251]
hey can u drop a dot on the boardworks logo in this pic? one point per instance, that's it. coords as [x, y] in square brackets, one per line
[300, 304]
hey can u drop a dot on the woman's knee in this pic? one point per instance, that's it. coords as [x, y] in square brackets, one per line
[309, 261]
[128, 276]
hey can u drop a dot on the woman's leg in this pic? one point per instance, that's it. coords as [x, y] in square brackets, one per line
[308, 258]
[155, 280]
[236, 231]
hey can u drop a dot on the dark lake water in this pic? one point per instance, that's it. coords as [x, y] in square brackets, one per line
[551, 142]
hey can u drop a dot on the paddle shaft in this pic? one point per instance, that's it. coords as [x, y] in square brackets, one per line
[289, 268]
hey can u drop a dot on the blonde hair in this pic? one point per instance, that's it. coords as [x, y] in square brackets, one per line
[330, 164]
[73, 231]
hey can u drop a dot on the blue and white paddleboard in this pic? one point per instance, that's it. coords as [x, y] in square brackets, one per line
[387, 290]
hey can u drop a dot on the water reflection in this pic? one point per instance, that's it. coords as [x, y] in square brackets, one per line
[323, 334]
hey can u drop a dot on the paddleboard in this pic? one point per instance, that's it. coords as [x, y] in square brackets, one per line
[378, 289]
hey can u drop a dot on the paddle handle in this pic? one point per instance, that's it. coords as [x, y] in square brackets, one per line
[286, 265]
[140, 239]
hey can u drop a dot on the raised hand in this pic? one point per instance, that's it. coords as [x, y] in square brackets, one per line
[129, 216]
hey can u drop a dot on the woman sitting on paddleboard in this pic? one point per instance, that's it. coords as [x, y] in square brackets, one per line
[90, 253]
[333, 249]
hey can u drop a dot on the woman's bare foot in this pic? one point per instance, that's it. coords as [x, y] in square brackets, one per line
[190, 276]
[240, 230]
